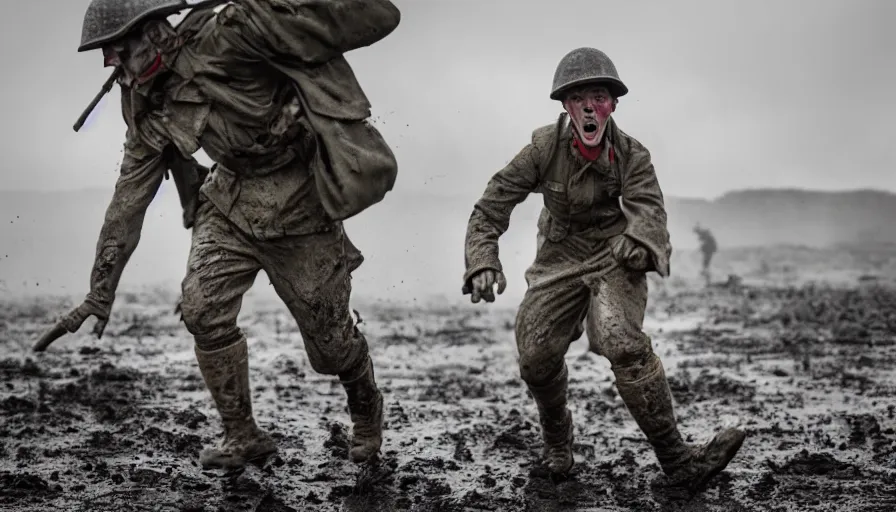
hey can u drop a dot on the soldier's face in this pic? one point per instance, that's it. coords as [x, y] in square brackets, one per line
[589, 107]
[136, 54]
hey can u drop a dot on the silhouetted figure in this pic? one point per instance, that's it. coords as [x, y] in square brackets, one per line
[708, 248]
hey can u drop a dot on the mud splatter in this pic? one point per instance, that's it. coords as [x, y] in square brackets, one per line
[806, 369]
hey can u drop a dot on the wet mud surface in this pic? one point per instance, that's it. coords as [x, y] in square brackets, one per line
[809, 371]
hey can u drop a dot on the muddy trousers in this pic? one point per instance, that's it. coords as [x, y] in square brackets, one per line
[612, 308]
[311, 274]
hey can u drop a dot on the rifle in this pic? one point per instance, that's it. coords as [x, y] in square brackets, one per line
[107, 86]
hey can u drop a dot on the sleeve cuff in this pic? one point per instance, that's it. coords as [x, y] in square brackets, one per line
[493, 264]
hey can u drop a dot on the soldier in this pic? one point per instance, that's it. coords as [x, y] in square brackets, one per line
[255, 84]
[602, 229]
[708, 248]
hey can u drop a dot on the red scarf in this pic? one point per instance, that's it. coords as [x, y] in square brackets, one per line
[589, 153]
[156, 65]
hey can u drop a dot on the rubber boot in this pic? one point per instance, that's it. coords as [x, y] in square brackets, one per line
[648, 398]
[556, 423]
[365, 405]
[226, 373]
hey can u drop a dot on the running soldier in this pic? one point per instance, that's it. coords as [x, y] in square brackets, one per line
[602, 229]
[256, 84]
[708, 248]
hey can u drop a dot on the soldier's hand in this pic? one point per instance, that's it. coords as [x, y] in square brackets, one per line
[72, 322]
[638, 259]
[483, 285]
[629, 253]
[76, 317]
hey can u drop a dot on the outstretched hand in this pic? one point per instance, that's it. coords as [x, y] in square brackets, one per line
[80, 314]
[483, 285]
[72, 322]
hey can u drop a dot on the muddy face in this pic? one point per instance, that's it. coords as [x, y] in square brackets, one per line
[590, 107]
[140, 53]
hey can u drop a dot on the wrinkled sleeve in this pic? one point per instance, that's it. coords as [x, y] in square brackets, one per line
[491, 214]
[642, 203]
[142, 172]
[312, 31]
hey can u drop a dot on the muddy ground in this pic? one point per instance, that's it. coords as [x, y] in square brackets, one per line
[806, 369]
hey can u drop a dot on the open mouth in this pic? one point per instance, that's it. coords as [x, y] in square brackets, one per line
[590, 127]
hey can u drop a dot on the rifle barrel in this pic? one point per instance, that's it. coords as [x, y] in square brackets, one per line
[107, 86]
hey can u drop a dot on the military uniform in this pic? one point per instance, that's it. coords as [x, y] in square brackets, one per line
[576, 276]
[259, 209]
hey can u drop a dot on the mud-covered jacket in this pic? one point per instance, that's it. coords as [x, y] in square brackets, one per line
[590, 201]
[220, 95]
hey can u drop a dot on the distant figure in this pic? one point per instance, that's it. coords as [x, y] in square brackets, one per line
[708, 247]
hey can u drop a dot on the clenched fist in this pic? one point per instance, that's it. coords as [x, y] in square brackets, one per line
[629, 253]
[483, 285]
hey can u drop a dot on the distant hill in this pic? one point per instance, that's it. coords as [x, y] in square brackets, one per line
[763, 217]
[413, 242]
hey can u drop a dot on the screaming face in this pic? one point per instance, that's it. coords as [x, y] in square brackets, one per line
[589, 107]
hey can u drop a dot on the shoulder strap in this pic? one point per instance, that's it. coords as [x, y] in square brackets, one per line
[554, 142]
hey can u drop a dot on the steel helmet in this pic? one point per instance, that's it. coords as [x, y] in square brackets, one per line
[584, 66]
[108, 20]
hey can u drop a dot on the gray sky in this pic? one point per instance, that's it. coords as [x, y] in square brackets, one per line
[725, 94]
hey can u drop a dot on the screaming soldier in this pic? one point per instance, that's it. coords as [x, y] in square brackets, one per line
[602, 228]
[262, 86]
[708, 248]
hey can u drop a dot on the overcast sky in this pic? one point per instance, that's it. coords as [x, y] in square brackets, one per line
[725, 94]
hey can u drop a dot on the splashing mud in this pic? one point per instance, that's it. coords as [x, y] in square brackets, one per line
[807, 371]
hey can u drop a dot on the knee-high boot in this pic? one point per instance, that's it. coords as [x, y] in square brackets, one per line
[646, 394]
[556, 422]
[365, 405]
[226, 373]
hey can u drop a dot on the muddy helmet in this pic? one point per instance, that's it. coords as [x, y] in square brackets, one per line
[108, 20]
[586, 66]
